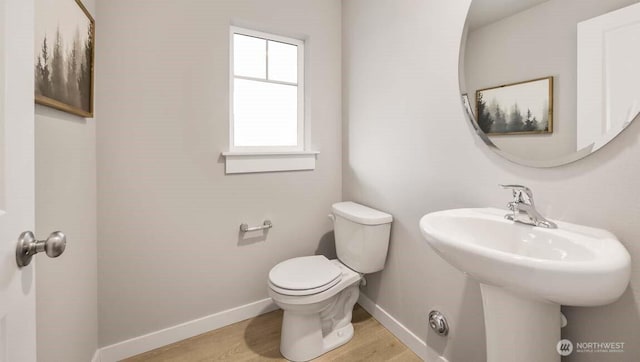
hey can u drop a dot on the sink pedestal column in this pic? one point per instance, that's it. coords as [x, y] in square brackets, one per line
[518, 328]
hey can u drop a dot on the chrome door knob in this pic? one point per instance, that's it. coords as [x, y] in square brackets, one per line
[28, 246]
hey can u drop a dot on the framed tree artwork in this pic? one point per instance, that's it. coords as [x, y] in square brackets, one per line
[517, 108]
[64, 56]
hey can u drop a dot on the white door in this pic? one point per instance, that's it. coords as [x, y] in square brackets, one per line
[17, 285]
[608, 58]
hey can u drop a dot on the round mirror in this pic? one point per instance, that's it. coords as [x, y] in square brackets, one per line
[547, 82]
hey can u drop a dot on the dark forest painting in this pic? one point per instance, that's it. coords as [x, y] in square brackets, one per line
[64, 50]
[518, 108]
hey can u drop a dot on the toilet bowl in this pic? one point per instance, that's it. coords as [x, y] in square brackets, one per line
[318, 294]
[317, 316]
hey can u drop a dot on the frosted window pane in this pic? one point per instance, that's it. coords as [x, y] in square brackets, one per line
[265, 114]
[249, 56]
[283, 62]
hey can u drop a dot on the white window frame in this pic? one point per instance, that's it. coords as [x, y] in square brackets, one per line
[244, 159]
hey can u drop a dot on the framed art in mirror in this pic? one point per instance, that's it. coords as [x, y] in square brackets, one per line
[64, 56]
[518, 108]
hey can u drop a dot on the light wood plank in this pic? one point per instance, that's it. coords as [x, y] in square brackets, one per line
[258, 339]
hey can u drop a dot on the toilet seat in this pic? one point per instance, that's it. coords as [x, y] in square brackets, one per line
[304, 275]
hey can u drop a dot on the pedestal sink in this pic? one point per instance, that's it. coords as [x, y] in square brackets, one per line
[526, 273]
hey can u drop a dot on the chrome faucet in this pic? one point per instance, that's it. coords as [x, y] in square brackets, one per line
[523, 208]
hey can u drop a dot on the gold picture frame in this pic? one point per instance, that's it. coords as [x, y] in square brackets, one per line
[517, 108]
[64, 61]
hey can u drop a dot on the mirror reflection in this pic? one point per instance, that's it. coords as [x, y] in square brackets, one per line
[549, 82]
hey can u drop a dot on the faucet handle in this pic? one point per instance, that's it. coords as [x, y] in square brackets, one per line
[516, 187]
[518, 190]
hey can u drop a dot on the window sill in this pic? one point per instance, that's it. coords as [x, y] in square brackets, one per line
[252, 162]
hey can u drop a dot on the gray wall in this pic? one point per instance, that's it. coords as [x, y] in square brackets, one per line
[66, 287]
[169, 247]
[517, 48]
[410, 151]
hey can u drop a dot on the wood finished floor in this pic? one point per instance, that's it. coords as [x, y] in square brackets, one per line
[258, 339]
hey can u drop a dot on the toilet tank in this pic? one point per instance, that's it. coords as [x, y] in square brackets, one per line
[362, 236]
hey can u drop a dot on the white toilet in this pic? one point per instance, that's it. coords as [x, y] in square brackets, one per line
[318, 294]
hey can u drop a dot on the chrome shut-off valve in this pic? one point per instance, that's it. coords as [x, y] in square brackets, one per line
[438, 322]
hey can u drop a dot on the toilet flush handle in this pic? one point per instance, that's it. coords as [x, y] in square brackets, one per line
[332, 217]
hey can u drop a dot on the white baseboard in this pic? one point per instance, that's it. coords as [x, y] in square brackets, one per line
[147, 342]
[417, 345]
[96, 356]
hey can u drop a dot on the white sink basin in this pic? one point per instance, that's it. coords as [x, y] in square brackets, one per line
[571, 265]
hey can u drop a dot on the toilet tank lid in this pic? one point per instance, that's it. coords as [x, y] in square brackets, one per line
[361, 214]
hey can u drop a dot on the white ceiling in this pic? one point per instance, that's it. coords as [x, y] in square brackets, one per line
[483, 12]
